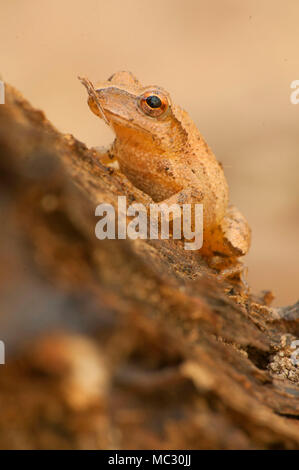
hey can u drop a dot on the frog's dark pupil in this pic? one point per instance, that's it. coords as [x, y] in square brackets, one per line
[154, 101]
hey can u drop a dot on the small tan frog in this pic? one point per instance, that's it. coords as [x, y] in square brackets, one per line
[160, 150]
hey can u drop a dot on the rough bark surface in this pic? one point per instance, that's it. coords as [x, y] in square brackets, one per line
[123, 344]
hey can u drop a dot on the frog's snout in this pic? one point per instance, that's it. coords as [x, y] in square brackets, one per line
[95, 103]
[94, 107]
[94, 99]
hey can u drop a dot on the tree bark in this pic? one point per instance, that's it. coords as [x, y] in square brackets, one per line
[122, 344]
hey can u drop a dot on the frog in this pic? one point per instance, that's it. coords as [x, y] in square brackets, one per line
[159, 148]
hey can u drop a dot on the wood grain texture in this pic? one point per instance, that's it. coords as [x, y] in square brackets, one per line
[123, 344]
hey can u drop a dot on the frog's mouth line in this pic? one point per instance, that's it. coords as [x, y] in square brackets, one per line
[123, 121]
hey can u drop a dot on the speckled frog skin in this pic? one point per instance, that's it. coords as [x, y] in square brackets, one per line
[160, 150]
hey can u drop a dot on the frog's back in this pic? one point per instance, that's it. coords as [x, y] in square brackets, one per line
[208, 171]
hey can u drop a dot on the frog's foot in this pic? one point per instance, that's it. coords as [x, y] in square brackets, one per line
[226, 267]
[237, 271]
[230, 269]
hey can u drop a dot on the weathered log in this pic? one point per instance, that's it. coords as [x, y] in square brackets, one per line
[122, 343]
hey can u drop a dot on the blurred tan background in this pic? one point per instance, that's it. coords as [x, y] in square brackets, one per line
[229, 63]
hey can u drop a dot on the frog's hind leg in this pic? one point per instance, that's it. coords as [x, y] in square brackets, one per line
[228, 241]
[234, 235]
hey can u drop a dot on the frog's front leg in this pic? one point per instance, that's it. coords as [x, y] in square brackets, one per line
[106, 156]
[188, 195]
[185, 196]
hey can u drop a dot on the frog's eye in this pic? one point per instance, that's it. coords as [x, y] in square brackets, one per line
[154, 103]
